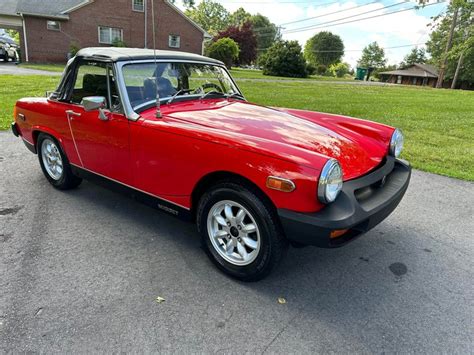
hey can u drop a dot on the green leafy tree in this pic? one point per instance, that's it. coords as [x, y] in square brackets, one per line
[463, 41]
[324, 48]
[15, 35]
[239, 17]
[187, 3]
[339, 69]
[416, 55]
[284, 58]
[210, 15]
[225, 50]
[373, 56]
[267, 33]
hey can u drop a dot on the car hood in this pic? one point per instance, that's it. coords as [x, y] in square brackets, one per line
[356, 152]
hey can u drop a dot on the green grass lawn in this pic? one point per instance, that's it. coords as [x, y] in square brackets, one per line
[438, 124]
[239, 73]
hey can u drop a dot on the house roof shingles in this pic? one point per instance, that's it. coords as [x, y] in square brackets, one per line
[8, 7]
[418, 70]
[56, 8]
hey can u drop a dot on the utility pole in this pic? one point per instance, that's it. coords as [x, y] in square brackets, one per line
[458, 68]
[442, 70]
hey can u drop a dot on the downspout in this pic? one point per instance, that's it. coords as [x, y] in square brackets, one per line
[24, 38]
[146, 40]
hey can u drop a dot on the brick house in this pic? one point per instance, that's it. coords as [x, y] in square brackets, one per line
[51, 28]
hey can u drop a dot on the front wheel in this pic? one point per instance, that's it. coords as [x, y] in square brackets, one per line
[54, 163]
[240, 231]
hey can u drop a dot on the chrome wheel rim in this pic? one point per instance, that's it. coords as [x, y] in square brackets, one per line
[233, 232]
[52, 160]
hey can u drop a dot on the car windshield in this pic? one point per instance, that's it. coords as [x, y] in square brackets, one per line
[190, 80]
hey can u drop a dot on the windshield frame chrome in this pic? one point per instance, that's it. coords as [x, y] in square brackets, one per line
[129, 111]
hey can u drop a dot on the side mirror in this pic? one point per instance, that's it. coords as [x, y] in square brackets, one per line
[92, 103]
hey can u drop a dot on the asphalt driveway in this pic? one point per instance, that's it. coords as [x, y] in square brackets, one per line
[13, 69]
[81, 271]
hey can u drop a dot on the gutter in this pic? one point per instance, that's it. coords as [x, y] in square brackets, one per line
[24, 38]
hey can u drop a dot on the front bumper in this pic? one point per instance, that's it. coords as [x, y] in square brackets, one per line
[361, 205]
[15, 131]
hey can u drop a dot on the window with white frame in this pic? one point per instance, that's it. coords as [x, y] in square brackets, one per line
[53, 25]
[138, 5]
[107, 35]
[174, 41]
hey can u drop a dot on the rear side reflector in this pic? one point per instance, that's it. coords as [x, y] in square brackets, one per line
[337, 233]
[280, 184]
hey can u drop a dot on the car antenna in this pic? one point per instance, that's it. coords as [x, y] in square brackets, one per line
[158, 110]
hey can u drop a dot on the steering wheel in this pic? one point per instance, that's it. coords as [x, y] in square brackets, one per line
[208, 86]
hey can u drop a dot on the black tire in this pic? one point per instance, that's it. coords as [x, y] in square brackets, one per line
[273, 243]
[67, 179]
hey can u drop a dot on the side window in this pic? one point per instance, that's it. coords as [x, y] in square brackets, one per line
[91, 80]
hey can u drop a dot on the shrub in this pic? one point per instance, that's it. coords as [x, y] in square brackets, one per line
[225, 50]
[284, 58]
[118, 43]
[339, 70]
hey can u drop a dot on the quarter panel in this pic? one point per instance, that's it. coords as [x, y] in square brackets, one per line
[46, 116]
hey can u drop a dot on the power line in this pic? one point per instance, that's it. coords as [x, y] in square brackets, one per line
[329, 13]
[327, 24]
[348, 17]
[360, 50]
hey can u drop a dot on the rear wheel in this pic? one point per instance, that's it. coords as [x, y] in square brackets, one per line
[240, 231]
[54, 163]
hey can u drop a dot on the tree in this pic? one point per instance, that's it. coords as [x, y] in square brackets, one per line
[373, 56]
[339, 69]
[284, 58]
[225, 50]
[245, 38]
[417, 55]
[324, 48]
[267, 33]
[211, 16]
[15, 35]
[239, 17]
[187, 3]
[462, 42]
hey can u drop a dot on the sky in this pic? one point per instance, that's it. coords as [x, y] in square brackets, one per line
[404, 28]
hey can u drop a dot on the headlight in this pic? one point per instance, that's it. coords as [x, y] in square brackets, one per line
[396, 143]
[330, 181]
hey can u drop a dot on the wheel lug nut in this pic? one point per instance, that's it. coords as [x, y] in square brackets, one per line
[228, 224]
[239, 227]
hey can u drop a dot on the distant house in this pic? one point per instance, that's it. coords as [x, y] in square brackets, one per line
[415, 74]
[49, 29]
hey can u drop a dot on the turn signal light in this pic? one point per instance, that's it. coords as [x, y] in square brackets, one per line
[280, 184]
[337, 233]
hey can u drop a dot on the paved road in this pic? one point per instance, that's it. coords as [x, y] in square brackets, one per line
[12, 68]
[80, 271]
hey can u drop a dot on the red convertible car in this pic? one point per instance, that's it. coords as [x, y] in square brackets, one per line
[174, 130]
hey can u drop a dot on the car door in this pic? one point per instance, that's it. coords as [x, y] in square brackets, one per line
[101, 140]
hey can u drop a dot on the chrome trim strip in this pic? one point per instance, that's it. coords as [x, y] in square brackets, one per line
[73, 139]
[131, 187]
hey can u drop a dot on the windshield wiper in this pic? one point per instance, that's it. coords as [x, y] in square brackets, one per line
[212, 92]
[227, 96]
[237, 95]
[177, 93]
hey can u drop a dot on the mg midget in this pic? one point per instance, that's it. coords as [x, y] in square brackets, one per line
[173, 130]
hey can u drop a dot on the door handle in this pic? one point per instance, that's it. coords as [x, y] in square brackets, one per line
[71, 114]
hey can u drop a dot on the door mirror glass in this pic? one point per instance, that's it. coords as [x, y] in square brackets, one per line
[92, 103]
